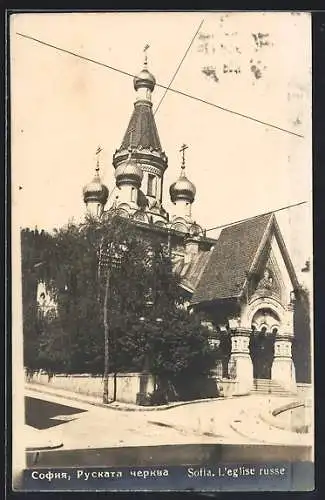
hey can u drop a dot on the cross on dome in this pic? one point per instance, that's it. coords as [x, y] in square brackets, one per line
[182, 189]
[182, 150]
[146, 47]
[96, 192]
[98, 151]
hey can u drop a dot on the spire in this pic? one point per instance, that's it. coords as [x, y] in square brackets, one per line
[140, 161]
[142, 131]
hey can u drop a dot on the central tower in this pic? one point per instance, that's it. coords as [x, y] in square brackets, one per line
[141, 146]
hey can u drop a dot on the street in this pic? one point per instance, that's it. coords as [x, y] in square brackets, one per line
[187, 434]
[42, 414]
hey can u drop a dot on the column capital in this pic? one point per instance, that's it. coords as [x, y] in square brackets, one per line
[287, 336]
[241, 332]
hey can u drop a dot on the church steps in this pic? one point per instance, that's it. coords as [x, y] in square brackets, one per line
[266, 386]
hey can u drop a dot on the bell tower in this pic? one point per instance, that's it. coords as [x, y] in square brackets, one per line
[142, 138]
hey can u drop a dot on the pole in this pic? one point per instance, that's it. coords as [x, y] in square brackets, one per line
[106, 338]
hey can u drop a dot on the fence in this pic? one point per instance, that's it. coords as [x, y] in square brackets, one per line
[128, 385]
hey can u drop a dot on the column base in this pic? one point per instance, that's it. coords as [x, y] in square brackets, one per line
[283, 372]
[242, 371]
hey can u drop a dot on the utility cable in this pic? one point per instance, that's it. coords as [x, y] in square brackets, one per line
[190, 96]
[259, 215]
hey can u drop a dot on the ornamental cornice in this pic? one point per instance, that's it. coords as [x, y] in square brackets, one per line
[155, 158]
[241, 332]
[151, 169]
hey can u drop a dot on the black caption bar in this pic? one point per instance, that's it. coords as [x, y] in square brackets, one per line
[297, 476]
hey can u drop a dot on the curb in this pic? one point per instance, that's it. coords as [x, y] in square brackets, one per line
[270, 419]
[265, 441]
[43, 448]
[109, 406]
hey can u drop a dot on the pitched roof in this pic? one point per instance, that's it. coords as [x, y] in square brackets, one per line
[231, 260]
[142, 129]
[191, 273]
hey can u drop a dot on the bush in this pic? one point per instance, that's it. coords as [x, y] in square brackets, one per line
[158, 397]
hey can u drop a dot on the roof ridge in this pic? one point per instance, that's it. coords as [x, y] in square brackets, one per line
[249, 219]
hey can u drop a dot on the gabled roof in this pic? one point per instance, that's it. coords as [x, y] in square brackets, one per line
[142, 130]
[190, 273]
[236, 254]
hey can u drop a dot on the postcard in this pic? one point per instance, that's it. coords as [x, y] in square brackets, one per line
[162, 308]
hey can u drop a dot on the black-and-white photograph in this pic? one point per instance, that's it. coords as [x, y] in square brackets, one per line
[161, 170]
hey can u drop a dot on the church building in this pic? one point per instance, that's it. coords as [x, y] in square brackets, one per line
[243, 281]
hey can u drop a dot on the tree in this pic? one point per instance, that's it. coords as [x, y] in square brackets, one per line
[35, 247]
[118, 307]
[302, 340]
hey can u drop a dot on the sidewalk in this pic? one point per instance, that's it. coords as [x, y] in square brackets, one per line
[37, 440]
[223, 420]
[116, 405]
[250, 424]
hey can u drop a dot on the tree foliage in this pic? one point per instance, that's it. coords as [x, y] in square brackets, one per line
[148, 328]
[302, 340]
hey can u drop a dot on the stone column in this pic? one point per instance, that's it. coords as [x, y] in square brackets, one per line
[241, 366]
[283, 370]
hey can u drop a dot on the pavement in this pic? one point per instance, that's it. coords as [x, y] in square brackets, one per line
[82, 425]
[96, 401]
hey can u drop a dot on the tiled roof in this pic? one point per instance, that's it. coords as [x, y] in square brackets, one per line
[230, 260]
[191, 273]
[142, 129]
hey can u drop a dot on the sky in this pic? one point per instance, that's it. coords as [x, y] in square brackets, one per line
[258, 64]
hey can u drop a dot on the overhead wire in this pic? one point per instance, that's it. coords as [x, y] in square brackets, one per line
[161, 100]
[177, 91]
[258, 215]
[169, 88]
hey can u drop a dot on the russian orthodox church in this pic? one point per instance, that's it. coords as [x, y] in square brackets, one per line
[244, 281]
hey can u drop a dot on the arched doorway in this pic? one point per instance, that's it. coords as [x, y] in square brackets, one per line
[265, 325]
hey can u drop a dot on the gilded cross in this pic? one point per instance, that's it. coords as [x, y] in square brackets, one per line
[98, 151]
[182, 150]
[146, 47]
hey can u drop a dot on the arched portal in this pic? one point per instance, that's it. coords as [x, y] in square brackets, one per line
[265, 325]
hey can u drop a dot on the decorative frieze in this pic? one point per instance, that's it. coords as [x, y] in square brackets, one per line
[282, 349]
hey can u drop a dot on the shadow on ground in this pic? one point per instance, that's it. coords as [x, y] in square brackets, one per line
[41, 414]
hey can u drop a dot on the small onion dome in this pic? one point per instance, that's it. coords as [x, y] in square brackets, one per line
[95, 191]
[182, 189]
[144, 79]
[195, 230]
[129, 173]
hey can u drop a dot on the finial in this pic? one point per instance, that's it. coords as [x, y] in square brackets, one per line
[98, 150]
[182, 150]
[146, 47]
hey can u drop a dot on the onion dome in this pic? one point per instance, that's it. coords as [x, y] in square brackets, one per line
[182, 189]
[195, 230]
[129, 172]
[95, 191]
[144, 78]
